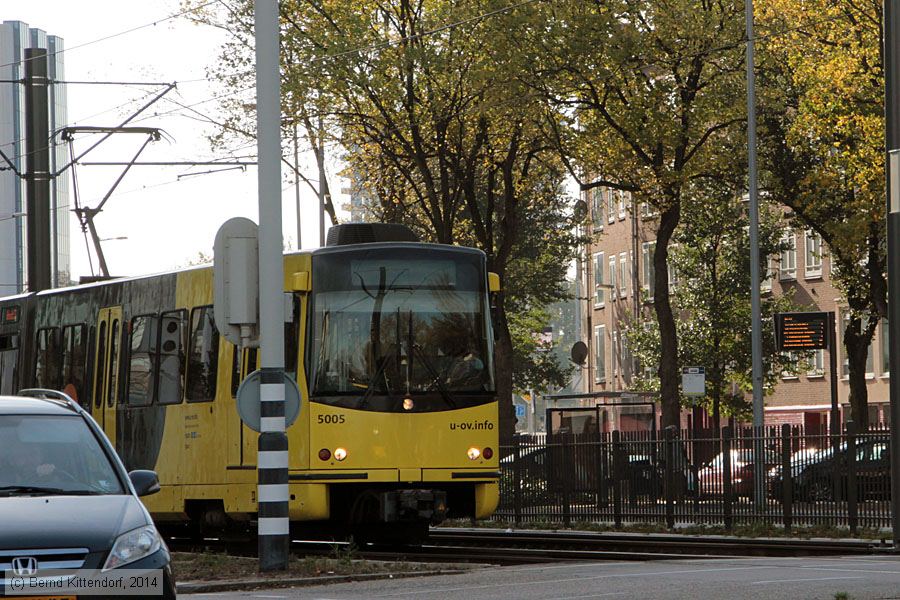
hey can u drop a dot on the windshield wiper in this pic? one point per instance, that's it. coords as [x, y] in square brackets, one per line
[370, 388]
[10, 490]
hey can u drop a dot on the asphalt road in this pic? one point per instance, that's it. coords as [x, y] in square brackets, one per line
[769, 578]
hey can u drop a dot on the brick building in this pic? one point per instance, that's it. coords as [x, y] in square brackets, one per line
[617, 274]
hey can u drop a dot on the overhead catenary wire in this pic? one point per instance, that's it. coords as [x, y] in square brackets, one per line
[118, 34]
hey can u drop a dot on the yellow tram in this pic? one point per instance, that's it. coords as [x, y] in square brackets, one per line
[389, 341]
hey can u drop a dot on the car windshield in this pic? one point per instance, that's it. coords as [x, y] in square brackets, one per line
[44, 454]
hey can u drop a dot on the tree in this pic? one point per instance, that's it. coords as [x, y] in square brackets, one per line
[822, 136]
[645, 93]
[425, 100]
[712, 299]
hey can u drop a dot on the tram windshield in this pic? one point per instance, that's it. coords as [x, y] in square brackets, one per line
[394, 325]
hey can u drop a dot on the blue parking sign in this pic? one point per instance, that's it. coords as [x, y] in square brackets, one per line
[520, 410]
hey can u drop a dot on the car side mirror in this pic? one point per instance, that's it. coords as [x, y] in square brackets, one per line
[145, 482]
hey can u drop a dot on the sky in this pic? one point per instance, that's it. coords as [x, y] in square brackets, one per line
[167, 220]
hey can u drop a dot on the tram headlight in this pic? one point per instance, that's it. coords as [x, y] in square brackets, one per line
[408, 403]
[324, 454]
[340, 453]
[473, 453]
[488, 453]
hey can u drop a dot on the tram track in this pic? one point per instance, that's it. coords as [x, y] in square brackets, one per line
[655, 546]
[499, 546]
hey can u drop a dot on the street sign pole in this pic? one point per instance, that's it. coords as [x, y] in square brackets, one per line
[892, 144]
[759, 469]
[835, 428]
[272, 460]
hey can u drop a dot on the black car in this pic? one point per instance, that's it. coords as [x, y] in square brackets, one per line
[66, 501]
[825, 475]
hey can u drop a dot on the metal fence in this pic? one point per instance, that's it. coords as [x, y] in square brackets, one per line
[683, 478]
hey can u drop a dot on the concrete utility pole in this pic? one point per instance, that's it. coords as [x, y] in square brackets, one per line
[759, 465]
[272, 461]
[892, 144]
[37, 141]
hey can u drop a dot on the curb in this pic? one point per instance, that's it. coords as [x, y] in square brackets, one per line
[205, 587]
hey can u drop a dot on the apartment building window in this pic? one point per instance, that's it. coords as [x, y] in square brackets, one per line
[623, 274]
[788, 267]
[647, 273]
[816, 364]
[614, 350]
[612, 276]
[599, 354]
[813, 255]
[647, 210]
[885, 348]
[597, 208]
[768, 276]
[673, 274]
[610, 206]
[845, 363]
[792, 357]
[599, 291]
[622, 200]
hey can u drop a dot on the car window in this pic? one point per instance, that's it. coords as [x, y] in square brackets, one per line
[54, 452]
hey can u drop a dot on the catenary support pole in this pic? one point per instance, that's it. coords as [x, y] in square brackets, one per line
[272, 462]
[37, 141]
[759, 466]
[320, 159]
[892, 144]
[297, 187]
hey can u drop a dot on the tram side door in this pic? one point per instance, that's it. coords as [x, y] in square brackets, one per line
[106, 369]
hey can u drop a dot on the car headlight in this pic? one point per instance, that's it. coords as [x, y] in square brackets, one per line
[133, 545]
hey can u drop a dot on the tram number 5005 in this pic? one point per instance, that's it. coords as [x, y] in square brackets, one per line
[329, 419]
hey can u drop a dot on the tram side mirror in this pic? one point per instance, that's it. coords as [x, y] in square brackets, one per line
[493, 290]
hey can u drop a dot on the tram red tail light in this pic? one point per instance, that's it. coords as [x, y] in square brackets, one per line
[324, 454]
[488, 453]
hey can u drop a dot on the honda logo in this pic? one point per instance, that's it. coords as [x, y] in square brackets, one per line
[25, 565]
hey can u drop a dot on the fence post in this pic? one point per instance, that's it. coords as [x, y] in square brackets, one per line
[617, 477]
[726, 479]
[567, 467]
[517, 475]
[787, 496]
[670, 476]
[602, 468]
[852, 496]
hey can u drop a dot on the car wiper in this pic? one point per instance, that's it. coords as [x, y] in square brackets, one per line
[10, 490]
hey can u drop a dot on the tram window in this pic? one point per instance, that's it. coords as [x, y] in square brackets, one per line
[47, 359]
[101, 365]
[142, 361]
[171, 357]
[9, 357]
[204, 356]
[292, 340]
[113, 364]
[74, 358]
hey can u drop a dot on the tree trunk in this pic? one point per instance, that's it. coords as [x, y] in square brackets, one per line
[503, 355]
[857, 347]
[668, 337]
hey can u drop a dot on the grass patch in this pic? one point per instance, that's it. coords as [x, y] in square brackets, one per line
[191, 566]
